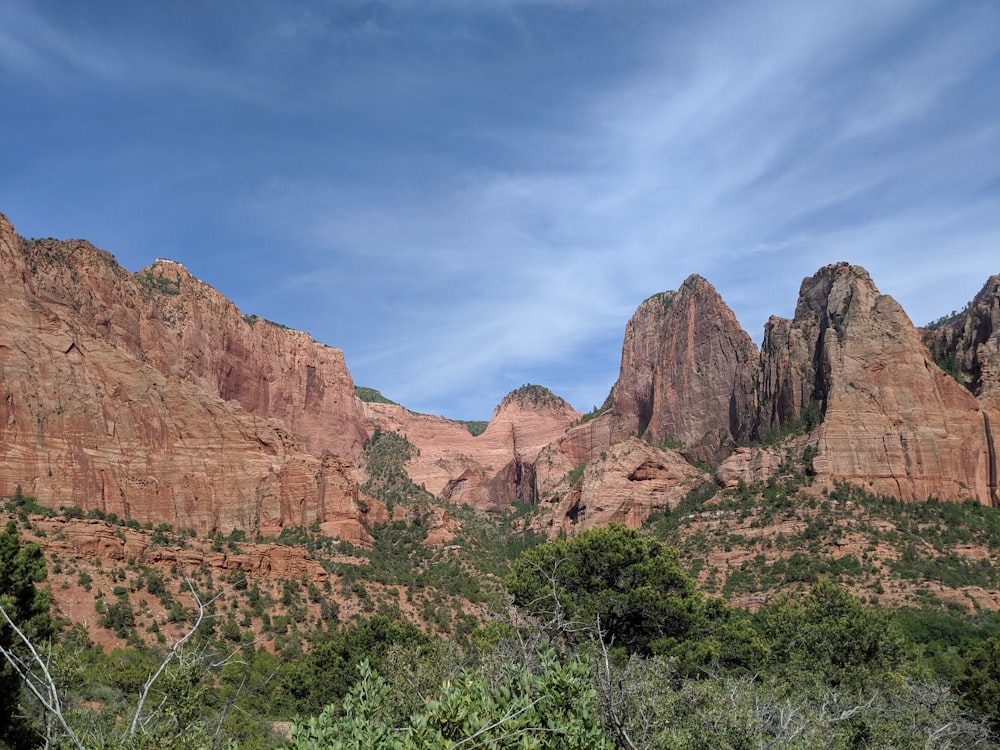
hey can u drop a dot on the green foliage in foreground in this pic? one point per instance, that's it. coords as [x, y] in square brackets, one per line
[549, 705]
[577, 667]
[21, 567]
[978, 685]
[838, 675]
[327, 671]
[628, 583]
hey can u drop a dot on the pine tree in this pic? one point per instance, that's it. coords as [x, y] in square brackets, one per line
[22, 566]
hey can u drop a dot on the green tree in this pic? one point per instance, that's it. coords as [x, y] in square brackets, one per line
[831, 635]
[22, 566]
[330, 668]
[632, 590]
[550, 707]
[978, 684]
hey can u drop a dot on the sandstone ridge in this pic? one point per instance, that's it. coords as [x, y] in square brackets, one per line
[152, 396]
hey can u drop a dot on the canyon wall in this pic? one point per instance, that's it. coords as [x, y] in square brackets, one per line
[87, 420]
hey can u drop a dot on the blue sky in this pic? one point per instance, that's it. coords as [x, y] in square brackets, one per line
[470, 195]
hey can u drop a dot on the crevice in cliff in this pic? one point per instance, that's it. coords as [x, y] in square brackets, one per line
[991, 452]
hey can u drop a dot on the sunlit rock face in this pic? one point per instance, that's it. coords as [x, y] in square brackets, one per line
[489, 471]
[100, 409]
[888, 418]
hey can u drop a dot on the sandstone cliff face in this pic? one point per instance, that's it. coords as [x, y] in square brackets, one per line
[849, 374]
[968, 345]
[892, 421]
[151, 396]
[487, 471]
[625, 483]
[687, 370]
[189, 331]
[85, 421]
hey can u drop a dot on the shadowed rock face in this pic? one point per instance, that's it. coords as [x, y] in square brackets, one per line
[86, 419]
[687, 370]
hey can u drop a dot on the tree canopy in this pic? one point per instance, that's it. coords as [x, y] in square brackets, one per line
[633, 590]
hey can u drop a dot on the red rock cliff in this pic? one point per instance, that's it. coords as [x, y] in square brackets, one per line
[86, 420]
[888, 417]
[687, 370]
[188, 330]
[488, 471]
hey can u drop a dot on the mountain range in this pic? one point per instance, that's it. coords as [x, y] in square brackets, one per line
[150, 396]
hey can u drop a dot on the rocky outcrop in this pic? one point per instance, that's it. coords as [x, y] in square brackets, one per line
[967, 346]
[85, 420]
[687, 371]
[487, 471]
[151, 396]
[846, 386]
[189, 331]
[625, 483]
[852, 366]
[686, 381]
[755, 464]
[96, 540]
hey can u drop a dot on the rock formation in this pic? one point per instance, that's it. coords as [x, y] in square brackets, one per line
[625, 483]
[687, 370]
[85, 419]
[151, 396]
[848, 375]
[852, 366]
[189, 331]
[967, 346]
[96, 540]
[487, 471]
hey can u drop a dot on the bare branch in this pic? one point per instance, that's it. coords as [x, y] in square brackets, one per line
[174, 650]
[42, 687]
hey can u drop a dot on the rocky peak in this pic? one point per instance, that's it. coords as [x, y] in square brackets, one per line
[794, 375]
[687, 369]
[967, 344]
[531, 398]
[12, 270]
[852, 366]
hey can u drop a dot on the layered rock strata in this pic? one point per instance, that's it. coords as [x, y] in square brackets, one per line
[85, 420]
[189, 331]
[687, 371]
[851, 367]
